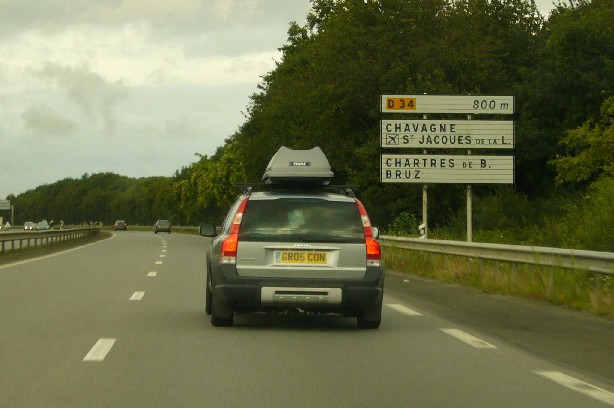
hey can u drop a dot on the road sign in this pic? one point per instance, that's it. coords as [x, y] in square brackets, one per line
[449, 134]
[480, 104]
[446, 169]
[5, 205]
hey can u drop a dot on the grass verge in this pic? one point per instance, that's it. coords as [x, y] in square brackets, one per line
[582, 290]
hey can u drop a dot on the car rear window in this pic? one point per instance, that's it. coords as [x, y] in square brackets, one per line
[301, 220]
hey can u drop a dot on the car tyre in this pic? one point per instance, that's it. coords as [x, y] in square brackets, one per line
[368, 324]
[221, 314]
[217, 321]
[370, 319]
[208, 297]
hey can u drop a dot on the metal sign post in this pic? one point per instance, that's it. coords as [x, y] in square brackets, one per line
[469, 198]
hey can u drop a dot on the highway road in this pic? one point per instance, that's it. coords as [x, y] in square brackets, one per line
[121, 323]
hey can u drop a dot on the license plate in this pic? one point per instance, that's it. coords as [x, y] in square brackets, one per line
[301, 257]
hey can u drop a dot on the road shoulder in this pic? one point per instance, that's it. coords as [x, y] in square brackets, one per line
[577, 339]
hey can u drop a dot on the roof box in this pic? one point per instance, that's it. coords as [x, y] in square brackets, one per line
[289, 166]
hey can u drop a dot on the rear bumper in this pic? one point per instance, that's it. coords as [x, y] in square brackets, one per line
[326, 295]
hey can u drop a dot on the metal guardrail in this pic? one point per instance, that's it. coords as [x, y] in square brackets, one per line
[594, 261]
[15, 240]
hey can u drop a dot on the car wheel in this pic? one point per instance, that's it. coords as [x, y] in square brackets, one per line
[370, 319]
[208, 296]
[368, 324]
[221, 314]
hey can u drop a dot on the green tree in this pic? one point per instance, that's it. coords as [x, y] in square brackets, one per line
[590, 149]
[573, 75]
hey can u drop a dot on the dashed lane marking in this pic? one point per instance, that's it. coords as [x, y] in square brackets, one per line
[158, 262]
[152, 274]
[579, 386]
[403, 309]
[468, 338]
[137, 296]
[100, 350]
[162, 255]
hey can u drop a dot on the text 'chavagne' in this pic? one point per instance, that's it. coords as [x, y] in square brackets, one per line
[444, 139]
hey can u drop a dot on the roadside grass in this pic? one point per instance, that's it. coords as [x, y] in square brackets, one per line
[577, 289]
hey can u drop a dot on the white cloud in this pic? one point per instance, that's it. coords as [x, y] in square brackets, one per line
[42, 119]
[95, 96]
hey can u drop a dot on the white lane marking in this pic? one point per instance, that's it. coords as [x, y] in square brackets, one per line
[54, 254]
[158, 262]
[152, 273]
[100, 350]
[467, 338]
[162, 256]
[164, 250]
[579, 386]
[137, 296]
[403, 309]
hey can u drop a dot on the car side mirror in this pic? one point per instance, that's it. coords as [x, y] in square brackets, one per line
[207, 229]
[375, 232]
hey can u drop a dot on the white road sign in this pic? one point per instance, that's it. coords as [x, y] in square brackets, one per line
[479, 104]
[446, 169]
[449, 134]
[5, 205]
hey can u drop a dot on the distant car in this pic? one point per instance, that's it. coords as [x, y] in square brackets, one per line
[162, 226]
[42, 225]
[29, 226]
[120, 225]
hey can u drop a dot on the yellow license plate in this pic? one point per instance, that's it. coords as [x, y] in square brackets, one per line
[301, 257]
[401, 103]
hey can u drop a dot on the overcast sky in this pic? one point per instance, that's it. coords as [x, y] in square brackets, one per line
[133, 87]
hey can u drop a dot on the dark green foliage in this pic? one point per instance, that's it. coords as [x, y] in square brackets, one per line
[103, 197]
[572, 76]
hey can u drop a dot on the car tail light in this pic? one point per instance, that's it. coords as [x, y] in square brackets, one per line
[231, 243]
[374, 253]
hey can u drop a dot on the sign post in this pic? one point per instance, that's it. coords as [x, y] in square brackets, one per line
[477, 105]
[447, 134]
[446, 169]
[6, 205]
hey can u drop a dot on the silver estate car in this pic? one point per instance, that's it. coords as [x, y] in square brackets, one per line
[298, 244]
[162, 226]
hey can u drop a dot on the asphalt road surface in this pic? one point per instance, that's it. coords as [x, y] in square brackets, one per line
[121, 323]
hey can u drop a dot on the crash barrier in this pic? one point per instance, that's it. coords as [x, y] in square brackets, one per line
[14, 240]
[594, 261]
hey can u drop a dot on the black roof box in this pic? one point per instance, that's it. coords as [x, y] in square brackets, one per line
[289, 166]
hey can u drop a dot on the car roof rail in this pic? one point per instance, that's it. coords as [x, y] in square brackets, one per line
[248, 188]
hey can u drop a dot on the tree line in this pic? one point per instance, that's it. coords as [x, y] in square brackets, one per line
[325, 91]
